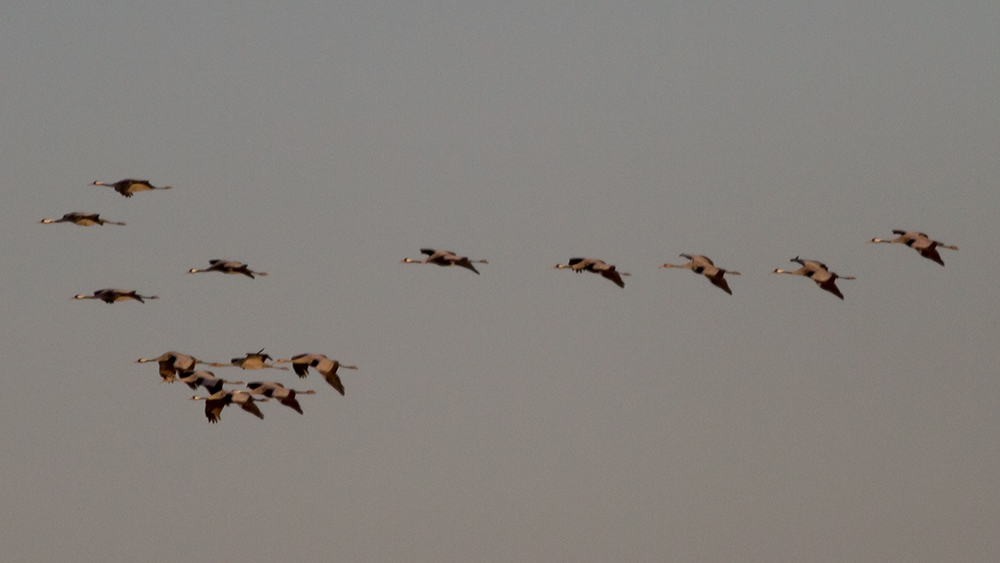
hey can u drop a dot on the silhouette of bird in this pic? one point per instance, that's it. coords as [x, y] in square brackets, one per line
[129, 186]
[215, 402]
[580, 265]
[819, 273]
[919, 242]
[172, 362]
[704, 266]
[114, 295]
[279, 393]
[82, 219]
[325, 366]
[445, 258]
[205, 379]
[228, 267]
[252, 360]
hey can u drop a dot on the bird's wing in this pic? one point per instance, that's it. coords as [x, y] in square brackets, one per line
[213, 409]
[334, 380]
[721, 283]
[252, 408]
[613, 275]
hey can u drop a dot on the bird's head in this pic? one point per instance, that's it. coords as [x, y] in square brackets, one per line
[193, 271]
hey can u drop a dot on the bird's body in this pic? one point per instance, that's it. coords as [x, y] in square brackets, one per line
[279, 393]
[445, 258]
[228, 267]
[920, 242]
[325, 366]
[704, 266]
[129, 186]
[114, 295]
[252, 360]
[172, 362]
[205, 379]
[82, 219]
[215, 402]
[819, 273]
[596, 266]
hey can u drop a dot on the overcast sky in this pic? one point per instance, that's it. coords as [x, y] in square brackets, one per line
[526, 414]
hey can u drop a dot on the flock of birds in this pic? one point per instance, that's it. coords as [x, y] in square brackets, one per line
[174, 366]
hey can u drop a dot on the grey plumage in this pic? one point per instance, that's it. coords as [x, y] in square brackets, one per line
[82, 219]
[279, 393]
[819, 273]
[607, 271]
[325, 366]
[704, 266]
[920, 242]
[228, 267]
[129, 186]
[216, 402]
[110, 295]
[445, 258]
[172, 362]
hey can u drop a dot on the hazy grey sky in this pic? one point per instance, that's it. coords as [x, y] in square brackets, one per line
[526, 414]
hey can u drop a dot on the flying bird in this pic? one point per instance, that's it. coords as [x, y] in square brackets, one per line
[82, 219]
[279, 393]
[580, 265]
[252, 360]
[205, 379]
[445, 258]
[228, 267]
[215, 402]
[325, 366]
[919, 242]
[819, 273]
[704, 266]
[129, 186]
[172, 362]
[113, 295]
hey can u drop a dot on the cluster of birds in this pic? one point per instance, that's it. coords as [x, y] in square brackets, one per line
[812, 269]
[175, 366]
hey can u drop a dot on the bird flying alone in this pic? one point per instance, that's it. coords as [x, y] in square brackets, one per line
[82, 219]
[114, 295]
[325, 366]
[704, 266]
[445, 258]
[129, 186]
[819, 273]
[228, 267]
[580, 265]
[919, 242]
